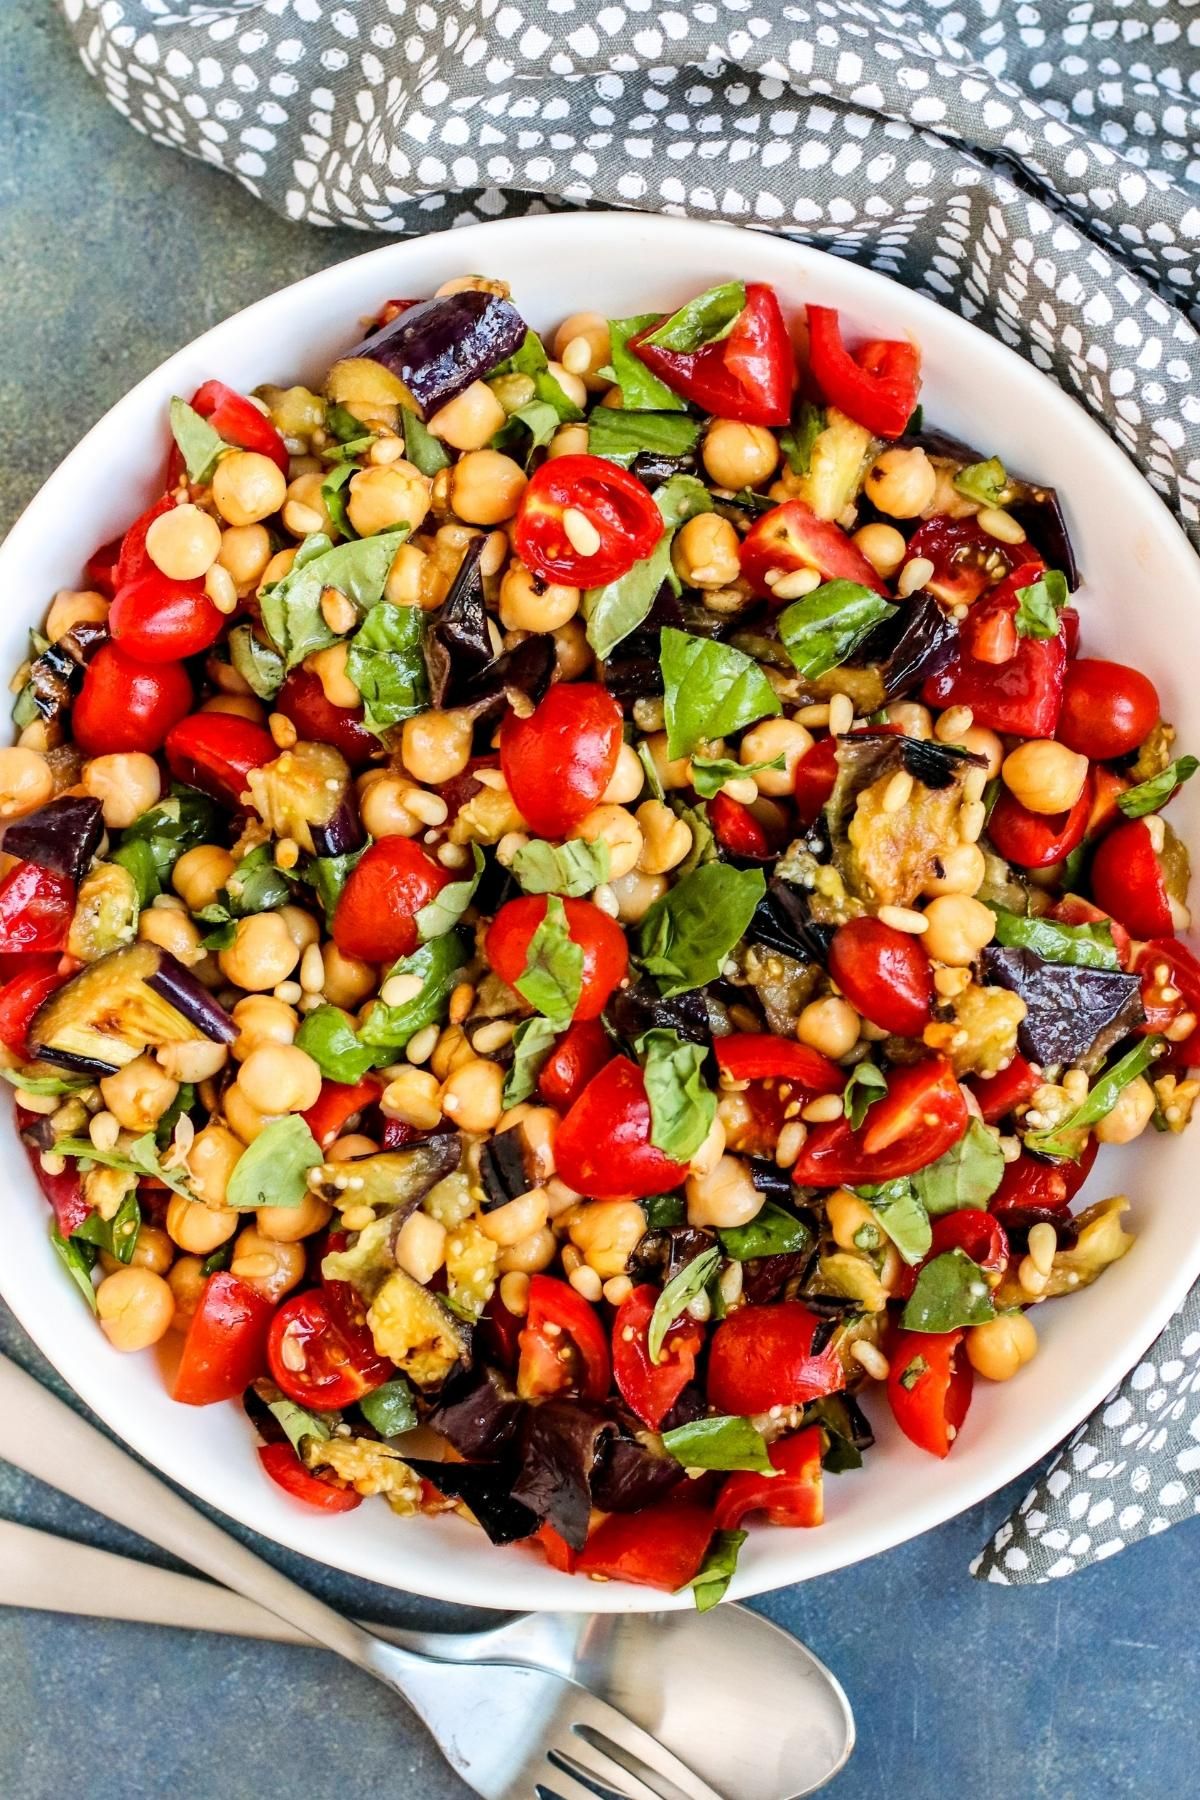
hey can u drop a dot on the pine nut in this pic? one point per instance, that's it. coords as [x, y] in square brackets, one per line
[312, 970]
[1043, 1243]
[954, 721]
[974, 782]
[104, 1131]
[514, 1293]
[1031, 1278]
[898, 791]
[871, 1359]
[913, 575]
[812, 715]
[581, 534]
[972, 816]
[604, 898]
[290, 992]
[302, 520]
[493, 1036]
[841, 715]
[453, 856]
[820, 1111]
[791, 1142]
[903, 918]
[576, 358]
[220, 588]
[422, 1045]
[772, 578]
[795, 584]
[618, 1288]
[283, 732]
[1000, 525]
[398, 990]
[742, 788]
[730, 1283]
[431, 809]
[385, 450]
[339, 613]
[585, 1281]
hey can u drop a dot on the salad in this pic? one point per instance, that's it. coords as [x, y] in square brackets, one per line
[574, 918]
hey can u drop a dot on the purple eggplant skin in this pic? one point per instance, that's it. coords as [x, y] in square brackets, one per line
[1071, 1015]
[182, 991]
[924, 644]
[478, 1413]
[342, 833]
[457, 643]
[63, 836]
[437, 349]
[631, 1474]
[524, 672]
[563, 1442]
[74, 1064]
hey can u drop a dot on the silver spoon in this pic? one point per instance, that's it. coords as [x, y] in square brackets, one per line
[727, 1690]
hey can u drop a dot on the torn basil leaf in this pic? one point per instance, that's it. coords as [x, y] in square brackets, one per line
[678, 1295]
[774, 1232]
[532, 1043]
[1066, 1140]
[711, 690]
[966, 1176]
[436, 964]
[1150, 795]
[328, 1036]
[619, 436]
[866, 1085]
[44, 1084]
[573, 868]
[332, 485]
[296, 1422]
[386, 663]
[78, 1259]
[450, 903]
[291, 608]
[260, 667]
[798, 439]
[616, 609]
[724, 1442]
[707, 319]
[552, 980]
[687, 934]
[682, 1105]
[118, 1235]
[273, 1170]
[640, 390]
[1086, 946]
[951, 1291]
[717, 1569]
[710, 773]
[140, 1158]
[421, 448]
[199, 445]
[984, 482]
[327, 876]
[1039, 605]
[902, 1215]
[822, 630]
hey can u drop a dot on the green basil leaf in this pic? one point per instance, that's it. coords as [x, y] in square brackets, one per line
[1148, 796]
[256, 885]
[328, 1036]
[1087, 946]
[1066, 1140]
[118, 1235]
[1039, 605]
[553, 976]
[682, 1105]
[185, 1099]
[341, 424]
[531, 359]
[983, 481]
[260, 667]
[842, 1451]
[338, 478]
[532, 1043]
[220, 1259]
[619, 607]
[448, 906]
[902, 1215]
[686, 936]
[724, 1442]
[78, 1261]
[653, 781]
[44, 1084]
[273, 1170]
[291, 608]
[717, 1569]
[704, 844]
[822, 630]
[678, 1295]
[707, 319]
[710, 773]
[422, 449]
[664, 1210]
[966, 1176]
[176, 824]
[387, 665]
[866, 1085]
[391, 1409]
[436, 964]
[137, 859]
[620, 436]
[798, 439]
[641, 391]
[527, 428]
[297, 1423]
[574, 868]
[199, 445]
[328, 875]
[141, 1158]
[681, 498]
[774, 1232]
[951, 1291]
[711, 690]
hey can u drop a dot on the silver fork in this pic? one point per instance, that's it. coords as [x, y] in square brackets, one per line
[511, 1733]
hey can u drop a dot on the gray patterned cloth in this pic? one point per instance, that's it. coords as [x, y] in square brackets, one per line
[1034, 167]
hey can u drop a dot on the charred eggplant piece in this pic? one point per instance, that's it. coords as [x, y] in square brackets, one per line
[561, 1446]
[518, 678]
[652, 467]
[663, 1252]
[437, 349]
[63, 836]
[487, 1489]
[392, 1178]
[55, 675]
[633, 1472]
[135, 999]
[302, 792]
[766, 1279]
[1071, 1015]
[503, 1170]
[457, 643]
[478, 1413]
[782, 923]
[924, 644]
[342, 832]
[633, 1011]
[106, 913]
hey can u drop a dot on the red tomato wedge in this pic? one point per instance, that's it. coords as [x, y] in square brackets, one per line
[876, 385]
[376, 914]
[133, 559]
[302, 700]
[661, 1546]
[580, 1053]
[884, 973]
[922, 1114]
[966, 559]
[158, 620]
[36, 908]
[737, 830]
[603, 1146]
[287, 1471]
[615, 504]
[226, 1344]
[1016, 688]
[1000, 1093]
[749, 375]
[236, 419]
[63, 1191]
[559, 760]
[792, 1496]
[20, 999]
[605, 951]
[1183, 975]
[781, 1073]
[314, 1362]
[1128, 880]
[763, 1356]
[128, 705]
[1037, 840]
[792, 537]
[563, 1346]
[929, 1388]
[216, 751]
[651, 1389]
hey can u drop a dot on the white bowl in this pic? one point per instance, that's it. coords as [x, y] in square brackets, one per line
[1141, 605]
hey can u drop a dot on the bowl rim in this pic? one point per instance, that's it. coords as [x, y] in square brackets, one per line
[520, 1584]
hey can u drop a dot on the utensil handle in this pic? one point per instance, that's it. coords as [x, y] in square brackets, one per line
[45, 1438]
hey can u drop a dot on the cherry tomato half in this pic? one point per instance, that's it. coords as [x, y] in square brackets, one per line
[563, 1348]
[133, 558]
[1029, 1185]
[884, 973]
[376, 914]
[929, 1387]
[737, 830]
[287, 1471]
[618, 507]
[966, 559]
[302, 700]
[780, 1072]
[977, 1234]
[603, 1146]
[651, 1389]
[236, 419]
[332, 1371]
[1108, 708]
[1182, 975]
[748, 376]
[923, 1113]
[63, 1191]
[792, 537]
[36, 908]
[1130, 877]
[661, 1546]
[158, 620]
[580, 1053]
[216, 751]
[128, 705]
[605, 951]
[1004, 1091]
[559, 760]
[763, 1356]
[792, 1496]
[876, 386]
[1037, 840]
[1012, 684]
[226, 1344]
[816, 774]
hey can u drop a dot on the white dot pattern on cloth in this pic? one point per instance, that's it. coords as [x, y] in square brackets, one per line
[1035, 168]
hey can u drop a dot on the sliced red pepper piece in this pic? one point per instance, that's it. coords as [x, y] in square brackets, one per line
[793, 1496]
[1028, 1184]
[661, 1546]
[564, 1349]
[737, 830]
[557, 1551]
[1002, 1092]
[1020, 696]
[781, 1074]
[749, 375]
[21, 997]
[929, 1387]
[1037, 840]
[226, 1345]
[337, 1102]
[288, 1472]
[64, 1191]
[792, 537]
[876, 386]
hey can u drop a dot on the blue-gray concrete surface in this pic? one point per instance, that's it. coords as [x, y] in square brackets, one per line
[116, 252]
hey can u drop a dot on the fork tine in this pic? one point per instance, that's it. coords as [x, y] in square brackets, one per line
[572, 1782]
[589, 1777]
[633, 1756]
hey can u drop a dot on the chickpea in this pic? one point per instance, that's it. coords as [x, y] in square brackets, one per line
[628, 778]
[584, 332]
[348, 982]
[959, 927]
[135, 1307]
[1002, 1346]
[472, 1095]
[572, 652]
[26, 782]
[705, 552]
[187, 1282]
[607, 1232]
[901, 482]
[280, 1078]
[153, 1250]
[569, 440]
[288, 1224]
[530, 604]
[883, 546]
[666, 840]
[183, 543]
[848, 1218]
[913, 719]
[830, 1026]
[518, 1220]
[242, 1118]
[247, 487]
[302, 927]
[415, 580]
[775, 737]
[675, 773]
[305, 510]
[211, 1161]
[436, 746]
[415, 1098]
[245, 552]
[470, 420]
[486, 487]
[279, 566]
[127, 784]
[531, 1255]
[198, 1060]
[198, 1228]
[636, 893]
[1130, 1116]
[381, 498]
[261, 955]
[170, 928]
[1044, 776]
[272, 1268]
[450, 1052]
[383, 810]
[725, 1197]
[620, 831]
[261, 1019]
[572, 386]
[958, 871]
[738, 456]
[420, 1248]
[139, 1094]
[74, 606]
[982, 742]
[200, 874]
[329, 666]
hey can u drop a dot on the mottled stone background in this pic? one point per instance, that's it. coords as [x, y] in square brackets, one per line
[115, 253]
